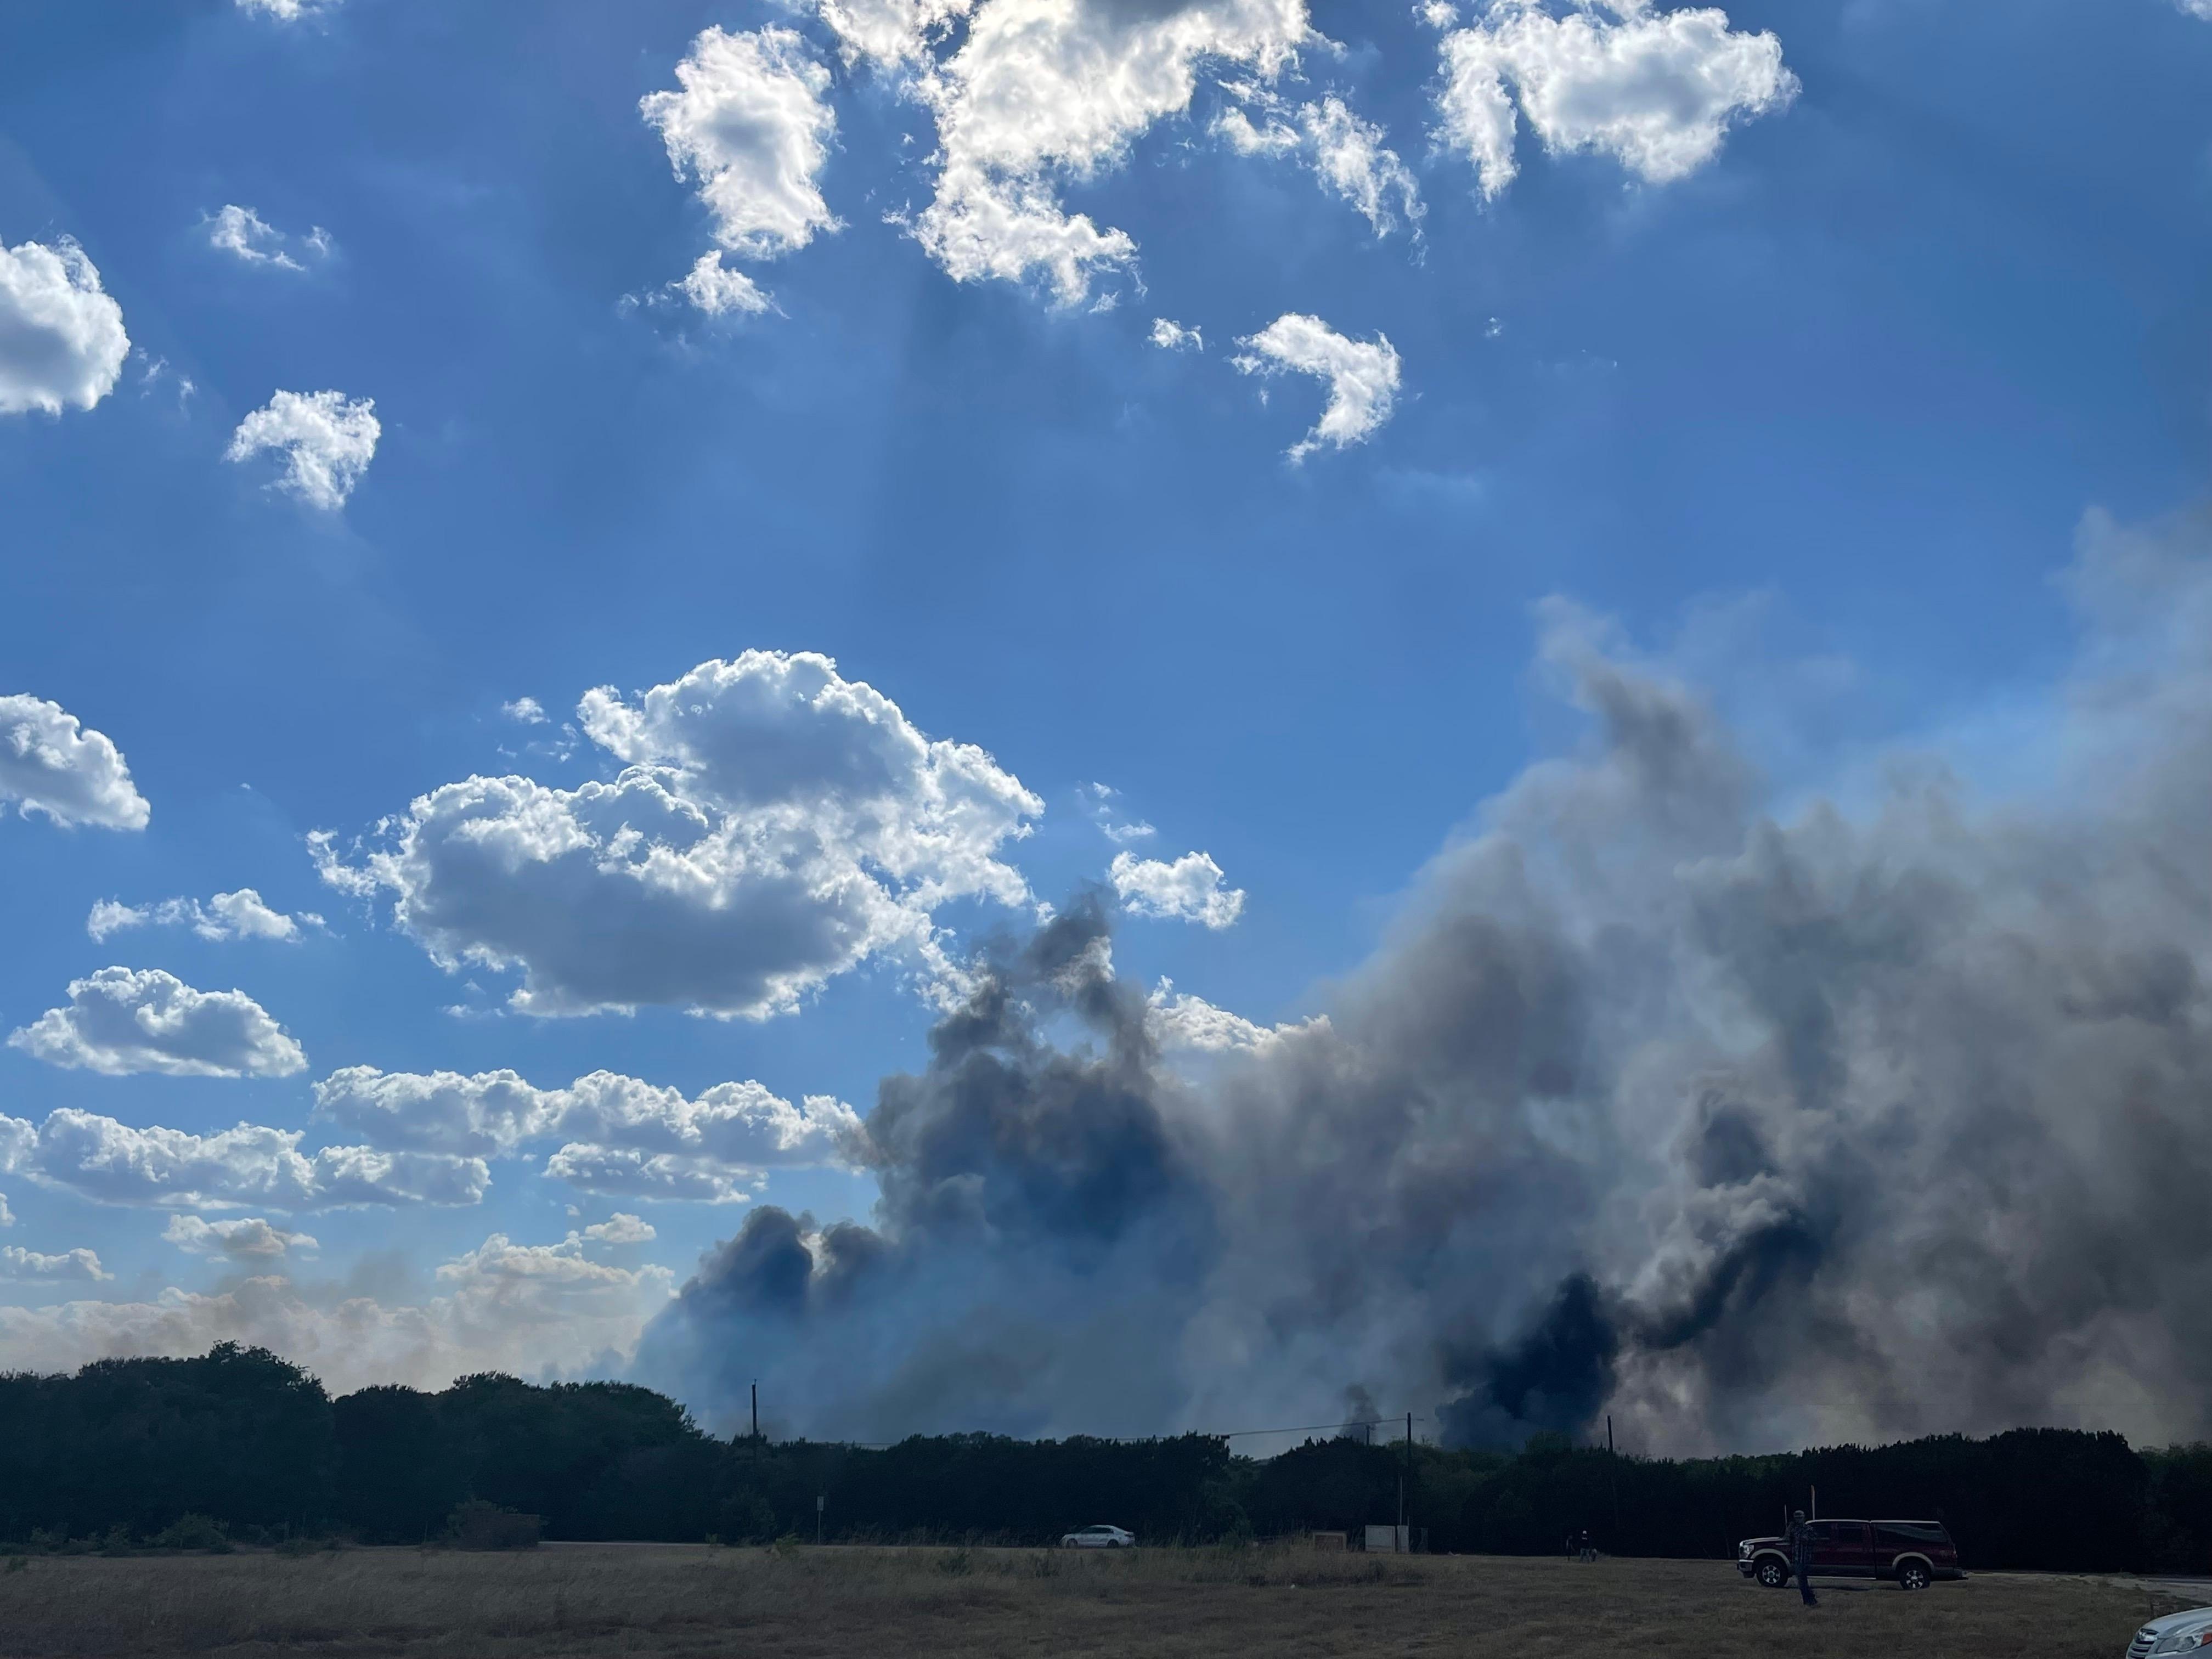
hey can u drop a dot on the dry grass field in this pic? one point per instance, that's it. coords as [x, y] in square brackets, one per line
[604, 1600]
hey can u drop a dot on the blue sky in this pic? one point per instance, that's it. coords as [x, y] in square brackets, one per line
[1809, 389]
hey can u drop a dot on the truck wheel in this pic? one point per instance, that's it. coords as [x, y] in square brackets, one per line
[1913, 1576]
[1773, 1574]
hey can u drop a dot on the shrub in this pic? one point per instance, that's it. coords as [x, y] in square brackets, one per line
[746, 1518]
[192, 1532]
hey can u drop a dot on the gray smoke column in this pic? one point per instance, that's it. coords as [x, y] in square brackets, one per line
[1881, 1110]
[1042, 1230]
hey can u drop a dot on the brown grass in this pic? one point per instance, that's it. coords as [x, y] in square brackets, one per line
[605, 1599]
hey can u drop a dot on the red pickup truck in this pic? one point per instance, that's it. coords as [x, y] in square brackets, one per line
[1912, 1552]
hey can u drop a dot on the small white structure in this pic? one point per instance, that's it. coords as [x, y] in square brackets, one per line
[1391, 1540]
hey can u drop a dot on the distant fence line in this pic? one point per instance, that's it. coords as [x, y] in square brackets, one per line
[254, 1443]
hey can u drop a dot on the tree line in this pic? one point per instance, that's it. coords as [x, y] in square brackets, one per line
[242, 1444]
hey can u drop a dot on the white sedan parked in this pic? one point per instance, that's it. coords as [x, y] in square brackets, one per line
[2179, 1632]
[1098, 1538]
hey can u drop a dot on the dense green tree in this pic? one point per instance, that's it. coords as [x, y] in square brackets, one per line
[397, 1478]
[597, 1460]
[2179, 1527]
[1327, 1486]
[237, 1434]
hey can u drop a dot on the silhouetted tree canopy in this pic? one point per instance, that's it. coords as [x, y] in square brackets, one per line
[251, 1443]
[237, 1433]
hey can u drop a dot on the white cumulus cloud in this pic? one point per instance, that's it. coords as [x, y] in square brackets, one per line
[525, 711]
[751, 123]
[1172, 336]
[112, 915]
[1350, 158]
[327, 441]
[1362, 376]
[776, 825]
[1043, 93]
[122, 1020]
[289, 12]
[1032, 98]
[49, 764]
[720, 289]
[248, 1238]
[242, 915]
[893, 36]
[97, 1158]
[17, 1262]
[246, 235]
[619, 1134]
[1179, 1022]
[620, 1228]
[1344, 151]
[490, 1113]
[1188, 890]
[732, 1124]
[62, 342]
[1656, 90]
[669, 1177]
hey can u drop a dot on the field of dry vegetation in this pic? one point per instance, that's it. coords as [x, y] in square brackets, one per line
[594, 1599]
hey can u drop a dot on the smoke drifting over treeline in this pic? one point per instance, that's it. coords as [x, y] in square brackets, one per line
[1752, 1122]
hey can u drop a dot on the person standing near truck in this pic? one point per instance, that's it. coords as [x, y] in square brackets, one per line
[1800, 1557]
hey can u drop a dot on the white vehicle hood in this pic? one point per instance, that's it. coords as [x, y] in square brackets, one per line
[2175, 1623]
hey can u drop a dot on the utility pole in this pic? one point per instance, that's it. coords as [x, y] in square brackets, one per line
[1612, 1480]
[1405, 1483]
[756, 1422]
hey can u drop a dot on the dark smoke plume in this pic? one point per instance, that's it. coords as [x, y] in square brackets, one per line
[1040, 1231]
[1752, 1120]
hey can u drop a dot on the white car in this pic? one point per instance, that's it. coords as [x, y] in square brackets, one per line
[2178, 1633]
[1098, 1538]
